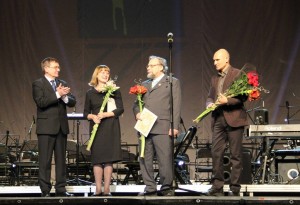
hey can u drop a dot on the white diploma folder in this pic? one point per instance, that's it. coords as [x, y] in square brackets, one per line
[145, 125]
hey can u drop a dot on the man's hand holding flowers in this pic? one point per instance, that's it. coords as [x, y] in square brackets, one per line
[247, 84]
[222, 99]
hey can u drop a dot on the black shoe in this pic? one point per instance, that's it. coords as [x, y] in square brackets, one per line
[167, 192]
[215, 192]
[45, 194]
[234, 193]
[100, 194]
[146, 193]
[109, 194]
[63, 194]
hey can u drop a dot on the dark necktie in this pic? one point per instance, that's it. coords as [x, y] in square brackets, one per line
[53, 85]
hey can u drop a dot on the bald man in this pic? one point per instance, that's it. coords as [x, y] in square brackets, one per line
[228, 122]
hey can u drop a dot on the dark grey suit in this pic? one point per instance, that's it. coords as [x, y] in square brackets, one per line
[158, 142]
[52, 129]
[228, 123]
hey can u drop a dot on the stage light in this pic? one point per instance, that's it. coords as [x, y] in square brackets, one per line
[180, 163]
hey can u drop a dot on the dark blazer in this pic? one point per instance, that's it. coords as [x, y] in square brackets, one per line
[234, 111]
[51, 112]
[157, 100]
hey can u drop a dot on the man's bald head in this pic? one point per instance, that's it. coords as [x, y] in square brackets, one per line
[221, 59]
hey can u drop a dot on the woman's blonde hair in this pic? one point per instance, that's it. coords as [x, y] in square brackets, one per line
[98, 69]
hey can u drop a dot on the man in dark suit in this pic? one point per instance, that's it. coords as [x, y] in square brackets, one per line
[228, 122]
[51, 96]
[159, 141]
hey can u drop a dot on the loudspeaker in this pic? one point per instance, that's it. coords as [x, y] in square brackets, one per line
[261, 117]
[288, 169]
[246, 177]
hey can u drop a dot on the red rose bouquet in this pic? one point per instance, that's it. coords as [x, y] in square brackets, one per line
[247, 83]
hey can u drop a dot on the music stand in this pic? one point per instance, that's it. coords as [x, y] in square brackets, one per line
[31, 148]
[9, 142]
[77, 117]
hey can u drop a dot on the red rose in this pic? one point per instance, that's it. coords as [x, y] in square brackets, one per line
[254, 95]
[137, 89]
[252, 78]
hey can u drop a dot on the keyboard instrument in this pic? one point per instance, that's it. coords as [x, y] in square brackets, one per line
[279, 131]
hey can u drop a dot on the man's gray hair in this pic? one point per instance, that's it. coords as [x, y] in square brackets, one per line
[162, 61]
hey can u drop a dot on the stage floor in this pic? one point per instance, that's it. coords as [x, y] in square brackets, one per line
[135, 200]
[127, 194]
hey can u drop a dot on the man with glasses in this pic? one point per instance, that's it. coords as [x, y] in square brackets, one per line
[51, 96]
[159, 142]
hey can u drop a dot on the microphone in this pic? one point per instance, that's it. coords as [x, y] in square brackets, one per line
[170, 37]
[287, 104]
[33, 119]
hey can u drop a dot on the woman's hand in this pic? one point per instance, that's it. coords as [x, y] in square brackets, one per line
[96, 119]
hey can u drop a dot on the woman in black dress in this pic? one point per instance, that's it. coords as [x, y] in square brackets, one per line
[106, 147]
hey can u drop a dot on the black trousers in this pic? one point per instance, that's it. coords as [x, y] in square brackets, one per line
[223, 133]
[47, 145]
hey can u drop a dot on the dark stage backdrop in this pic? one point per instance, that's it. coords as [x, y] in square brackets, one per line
[123, 33]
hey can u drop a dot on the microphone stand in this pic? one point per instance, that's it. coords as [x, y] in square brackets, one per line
[288, 117]
[170, 42]
[30, 128]
[174, 185]
[77, 180]
[287, 105]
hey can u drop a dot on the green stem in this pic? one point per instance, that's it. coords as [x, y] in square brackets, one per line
[95, 127]
[142, 137]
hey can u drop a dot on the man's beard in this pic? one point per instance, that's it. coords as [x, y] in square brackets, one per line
[150, 75]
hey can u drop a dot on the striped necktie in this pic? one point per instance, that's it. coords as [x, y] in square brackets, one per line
[53, 85]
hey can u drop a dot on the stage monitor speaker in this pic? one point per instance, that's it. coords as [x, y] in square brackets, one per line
[246, 177]
[289, 170]
[261, 117]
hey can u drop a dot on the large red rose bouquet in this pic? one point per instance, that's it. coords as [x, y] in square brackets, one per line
[246, 84]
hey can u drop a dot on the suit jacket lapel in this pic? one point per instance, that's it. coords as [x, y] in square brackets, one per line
[48, 84]
[147, 84]
[228, 80]
[160, 83]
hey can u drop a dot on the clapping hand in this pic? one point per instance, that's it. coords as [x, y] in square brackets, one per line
[62, 90]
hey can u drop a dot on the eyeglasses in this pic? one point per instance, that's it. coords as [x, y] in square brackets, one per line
[152, 65]
[55, 67]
